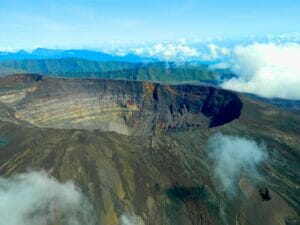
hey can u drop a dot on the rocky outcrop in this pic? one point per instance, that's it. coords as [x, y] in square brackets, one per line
[126, 107]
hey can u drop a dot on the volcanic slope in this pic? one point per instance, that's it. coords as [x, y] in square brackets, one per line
[138, 151]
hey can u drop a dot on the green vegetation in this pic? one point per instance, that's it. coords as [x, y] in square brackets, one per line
[80, 68]
[3, 142]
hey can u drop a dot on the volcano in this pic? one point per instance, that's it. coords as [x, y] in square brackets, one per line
[138, 150]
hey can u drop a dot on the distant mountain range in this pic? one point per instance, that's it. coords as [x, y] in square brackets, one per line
[76, 63]
[43, 53]
[80, 68]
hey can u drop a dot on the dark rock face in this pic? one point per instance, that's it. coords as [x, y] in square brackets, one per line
[219, 106]
[264, 193]
[127, 107]
[222, 107]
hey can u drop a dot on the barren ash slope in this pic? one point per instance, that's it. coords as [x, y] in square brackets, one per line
[146, 153]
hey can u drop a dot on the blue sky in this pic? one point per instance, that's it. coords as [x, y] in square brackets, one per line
[94, 24]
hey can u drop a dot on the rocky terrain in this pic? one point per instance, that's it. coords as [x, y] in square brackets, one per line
[138, 151]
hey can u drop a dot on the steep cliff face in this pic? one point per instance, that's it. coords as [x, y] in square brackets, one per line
[126, 107]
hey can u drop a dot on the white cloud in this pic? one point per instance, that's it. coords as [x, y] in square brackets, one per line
[221, 65]
[131, 219]
[215, 52]
[268, 70]
[182, 51]
[233, 155]
[37, 199]
[169, 51]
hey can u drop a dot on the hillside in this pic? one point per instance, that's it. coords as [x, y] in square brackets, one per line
[80, 68]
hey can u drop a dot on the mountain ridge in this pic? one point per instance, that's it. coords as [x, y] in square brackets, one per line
[44, 53]
[81, 68]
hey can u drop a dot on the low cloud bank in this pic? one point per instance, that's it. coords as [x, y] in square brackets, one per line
[36, 199]
[232, 156]
[184, 52]
[268, 70]
[170, 51]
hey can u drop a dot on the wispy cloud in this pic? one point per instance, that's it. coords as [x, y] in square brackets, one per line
[232, 156]
[215, 52]
[131, 219]
[34, 198]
